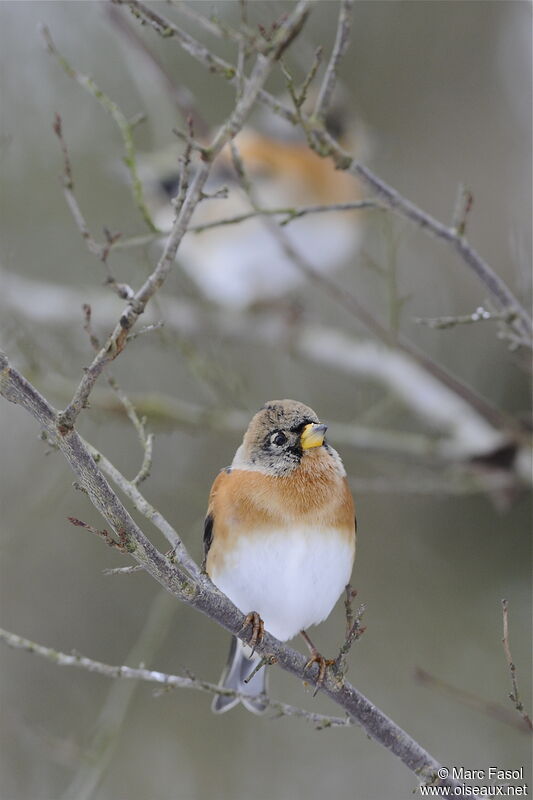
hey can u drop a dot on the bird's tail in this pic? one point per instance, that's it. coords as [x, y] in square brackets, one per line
[240, 666]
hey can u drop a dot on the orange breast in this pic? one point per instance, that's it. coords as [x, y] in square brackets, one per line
[298, 166]
[245, 503]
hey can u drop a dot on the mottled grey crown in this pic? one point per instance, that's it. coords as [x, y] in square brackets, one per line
[288, 414]
[271, 443]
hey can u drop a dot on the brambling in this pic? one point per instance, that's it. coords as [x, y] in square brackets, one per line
[279, 538]
[243, 264]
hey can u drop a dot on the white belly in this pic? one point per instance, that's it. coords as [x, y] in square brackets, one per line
[239, 270]
[292, 579]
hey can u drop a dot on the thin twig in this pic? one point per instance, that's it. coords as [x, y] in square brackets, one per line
[354, 631]
[400, 205]
[146, 440]
[167, 29]
[342, 40]
[101, 251]
[166, 680]
[311, 75]
[68, 187]
[145, 508]
[496, 711]
[479, 315]
[103, 534]
[514, 696]
[289, 214]
[124, 125]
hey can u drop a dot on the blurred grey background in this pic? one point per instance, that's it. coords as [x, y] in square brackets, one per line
[445, 90]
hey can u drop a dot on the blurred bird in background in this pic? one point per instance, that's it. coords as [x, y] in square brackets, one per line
[254, 261]
[240, 265]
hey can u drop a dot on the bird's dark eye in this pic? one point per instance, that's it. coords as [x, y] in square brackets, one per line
[278, 439]
[170, 185]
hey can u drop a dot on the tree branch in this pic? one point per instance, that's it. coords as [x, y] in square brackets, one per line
[196, 590]
[164, 679]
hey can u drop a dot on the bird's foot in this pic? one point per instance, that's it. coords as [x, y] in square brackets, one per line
[254, 621]
[323, 664]
[317, 658]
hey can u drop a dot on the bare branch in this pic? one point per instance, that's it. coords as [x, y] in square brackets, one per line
[400, 205]
[166, 680]
[287, 212]
[146, 509]
[194, 48]
[514, 696]
[326, 146]
[18, 390]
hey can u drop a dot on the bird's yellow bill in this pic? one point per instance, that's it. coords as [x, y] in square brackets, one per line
[313, 435]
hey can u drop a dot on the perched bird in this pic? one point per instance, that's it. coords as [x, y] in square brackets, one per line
[239, 265]
[279, 537]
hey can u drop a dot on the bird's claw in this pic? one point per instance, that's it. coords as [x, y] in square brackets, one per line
[323, 664]
[257, 625]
